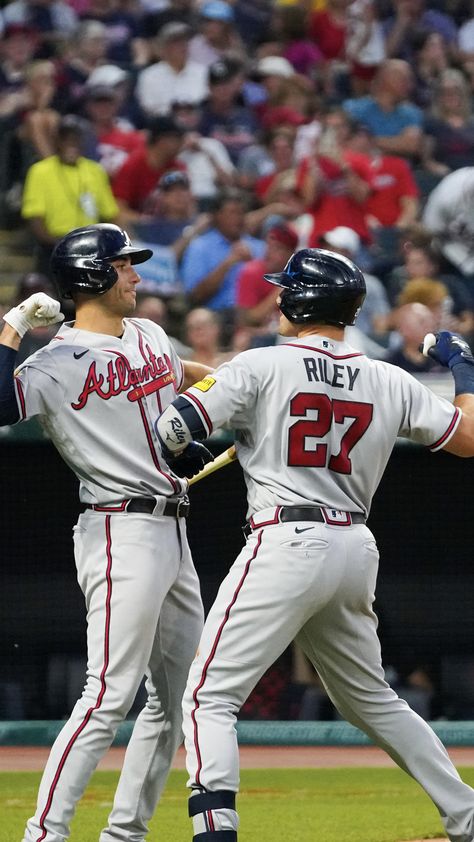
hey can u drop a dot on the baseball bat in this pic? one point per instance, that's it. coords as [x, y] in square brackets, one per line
[224, 458]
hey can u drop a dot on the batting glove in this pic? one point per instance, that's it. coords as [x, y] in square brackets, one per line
[190, 461]
[447, 348]
[38, 310]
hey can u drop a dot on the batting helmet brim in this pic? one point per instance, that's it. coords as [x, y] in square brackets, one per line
[135, 255]
[280, 279]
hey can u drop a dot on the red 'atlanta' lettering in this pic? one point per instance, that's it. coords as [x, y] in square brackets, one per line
[120, 378]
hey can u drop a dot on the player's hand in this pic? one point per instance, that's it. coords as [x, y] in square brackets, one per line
[446, 348]
[38, 310]
[190, 461]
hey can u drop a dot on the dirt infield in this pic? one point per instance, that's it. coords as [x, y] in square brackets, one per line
[24, 758]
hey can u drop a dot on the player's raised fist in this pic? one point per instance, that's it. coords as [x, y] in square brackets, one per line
[447, 348]
[38, 310]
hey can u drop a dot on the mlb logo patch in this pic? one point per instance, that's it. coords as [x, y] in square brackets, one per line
[334, 517]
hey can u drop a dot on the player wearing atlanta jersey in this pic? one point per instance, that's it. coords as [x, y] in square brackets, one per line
[316, 422]
[96, 389]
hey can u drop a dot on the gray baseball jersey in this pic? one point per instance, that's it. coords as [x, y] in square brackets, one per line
[97, 394]
[317, 403]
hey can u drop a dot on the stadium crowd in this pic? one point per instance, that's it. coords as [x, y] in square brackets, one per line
[228, 133]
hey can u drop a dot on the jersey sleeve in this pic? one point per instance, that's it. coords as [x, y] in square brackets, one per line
[428, 419]
[39, 391]
[226, 398]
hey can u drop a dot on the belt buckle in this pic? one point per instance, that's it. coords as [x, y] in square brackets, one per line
[247, 530]
[183, 506]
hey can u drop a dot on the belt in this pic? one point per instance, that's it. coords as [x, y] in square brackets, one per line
[146, 505]
[286, 514]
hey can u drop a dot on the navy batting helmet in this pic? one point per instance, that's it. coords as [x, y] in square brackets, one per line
[320, 286]
[81, 261]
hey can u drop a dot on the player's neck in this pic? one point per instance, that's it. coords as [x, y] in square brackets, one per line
[331, 331]
[97, 320]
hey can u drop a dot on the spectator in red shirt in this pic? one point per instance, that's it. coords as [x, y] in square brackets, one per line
[328, 27]
[135, 183]
[335, 181]
[257, 307]
[393, 201]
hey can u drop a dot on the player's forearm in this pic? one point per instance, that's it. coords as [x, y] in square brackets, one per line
[193, 372]
[10, 338]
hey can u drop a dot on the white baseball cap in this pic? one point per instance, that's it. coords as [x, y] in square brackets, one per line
[275, 66]
[342, 238]
[106, 75]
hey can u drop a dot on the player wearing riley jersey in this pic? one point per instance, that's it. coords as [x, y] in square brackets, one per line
[316, 422]
[96, 388]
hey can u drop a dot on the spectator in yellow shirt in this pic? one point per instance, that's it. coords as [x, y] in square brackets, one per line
[65, 191]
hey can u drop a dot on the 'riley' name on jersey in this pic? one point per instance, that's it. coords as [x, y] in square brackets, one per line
[322, 370]
[121, 377]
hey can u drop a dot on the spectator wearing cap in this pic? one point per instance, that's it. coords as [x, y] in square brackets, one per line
[135, 184]
[223, 117]
[174, 77]
[87, 51]
[395, 122]
[175, 222]
[206, 159]
[120, 81]
[65, 191]
[256, 304]
[217, 36]
[53, 21]
[282, 87]
[113, 138]
[212, 262]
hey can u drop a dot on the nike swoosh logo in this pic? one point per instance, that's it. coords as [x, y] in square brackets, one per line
[78, 356]
[306, 528]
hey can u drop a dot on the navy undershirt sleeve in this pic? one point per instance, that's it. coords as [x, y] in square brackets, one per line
[9, 412]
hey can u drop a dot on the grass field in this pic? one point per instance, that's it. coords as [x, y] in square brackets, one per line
[275, 805]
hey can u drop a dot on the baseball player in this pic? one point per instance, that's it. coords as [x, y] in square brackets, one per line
[96, 388]
[316, 421]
